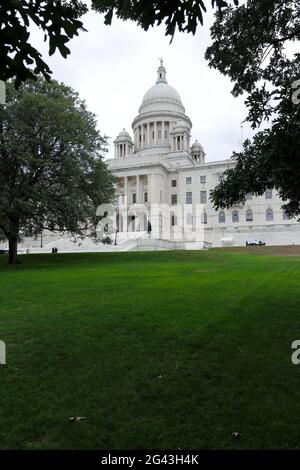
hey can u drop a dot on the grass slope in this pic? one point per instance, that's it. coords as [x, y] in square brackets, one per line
[158, 350]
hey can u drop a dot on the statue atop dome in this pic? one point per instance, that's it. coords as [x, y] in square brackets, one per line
[161, 73]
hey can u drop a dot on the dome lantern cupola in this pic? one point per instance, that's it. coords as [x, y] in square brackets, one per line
[197, 152]
[180, 137]
[161, 73]
[123, 145]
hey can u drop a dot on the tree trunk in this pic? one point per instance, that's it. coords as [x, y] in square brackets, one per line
[13, 238]
[13, 250]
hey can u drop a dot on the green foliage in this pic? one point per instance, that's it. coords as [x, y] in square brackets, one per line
[182, 14]
[250, 46]
[58, 20]
[270, 161]
[52, 175]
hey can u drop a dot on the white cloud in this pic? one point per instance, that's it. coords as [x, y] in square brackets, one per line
[113, 66]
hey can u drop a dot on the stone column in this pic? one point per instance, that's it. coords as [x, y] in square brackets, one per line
[126, 189]
[154, 205]
[138, 189]
[125, 221]
[163, 132]
[155, 133]
[153, 198]
[149, 184]
[148, 135]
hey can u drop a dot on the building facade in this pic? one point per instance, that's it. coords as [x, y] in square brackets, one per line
[164, 184]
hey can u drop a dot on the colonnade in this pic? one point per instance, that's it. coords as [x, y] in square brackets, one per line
[180, 143]
[122, 150]
[152, 133]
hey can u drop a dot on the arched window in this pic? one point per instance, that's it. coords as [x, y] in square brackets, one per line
[249, 215]
[285, 215]
[235, 217]
[204, 218]
[222, 218]
[269, 215]
[189, 219]
[173, 220]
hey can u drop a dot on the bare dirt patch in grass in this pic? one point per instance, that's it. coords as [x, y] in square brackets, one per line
[286, 250]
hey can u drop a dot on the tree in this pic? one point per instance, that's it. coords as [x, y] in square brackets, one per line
[250, 46]
[182, 14]
[60, 22]
[52, 174]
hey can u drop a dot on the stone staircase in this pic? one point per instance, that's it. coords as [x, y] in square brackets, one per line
[142, 242]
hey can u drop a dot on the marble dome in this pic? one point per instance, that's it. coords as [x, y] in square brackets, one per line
[124, 136]
[161, 96]
[196, 146]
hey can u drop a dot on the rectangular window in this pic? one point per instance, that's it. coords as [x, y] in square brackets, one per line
[269, 194]
[134, 198]
[174, 183]
[220, 177]
[249, 215]
[174, 199]
[249, 196]
[188, 180]
[145, 197]
[166, 134]
[203, 179]
[189, 198]
[203, 197]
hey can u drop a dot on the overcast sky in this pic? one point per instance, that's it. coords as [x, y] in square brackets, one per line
[112, 67]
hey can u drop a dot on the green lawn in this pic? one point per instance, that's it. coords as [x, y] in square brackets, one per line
[158, 350]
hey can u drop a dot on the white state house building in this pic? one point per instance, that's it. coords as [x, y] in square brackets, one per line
[163, 187]
[163, 179]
